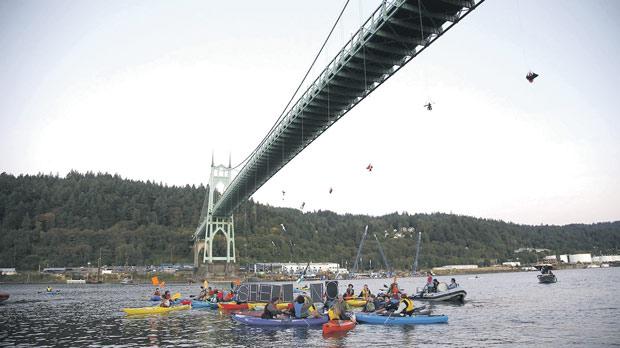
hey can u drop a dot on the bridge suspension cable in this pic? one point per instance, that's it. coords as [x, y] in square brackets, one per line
[298, 87]
[389, 39]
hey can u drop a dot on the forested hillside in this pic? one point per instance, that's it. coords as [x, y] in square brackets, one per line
[52, 221]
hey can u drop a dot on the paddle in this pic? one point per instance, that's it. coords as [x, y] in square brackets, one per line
[176, 296]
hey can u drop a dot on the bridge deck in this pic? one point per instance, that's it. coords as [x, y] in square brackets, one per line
[394, 34]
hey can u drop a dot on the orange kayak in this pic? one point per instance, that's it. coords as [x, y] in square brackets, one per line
[337, 326]
[232, 306]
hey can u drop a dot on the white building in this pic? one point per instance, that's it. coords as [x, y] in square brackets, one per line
[511, 264]
[296, 268]
[457, 267]
[564, 258]
[606, 258]
[550, 258]
[580, 258]
[8, 271]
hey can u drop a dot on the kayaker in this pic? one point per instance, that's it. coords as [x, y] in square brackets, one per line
[365, 293]
[453, 284]
[271, 309]
[405, 306]
[49, 289]
[203, 294]
[156, 293]
[302, 308]
[338, 311]
[370, 304]
[393, 289]
[165, 300]
[349, 292]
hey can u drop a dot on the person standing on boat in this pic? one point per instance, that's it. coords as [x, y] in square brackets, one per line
[429, 281]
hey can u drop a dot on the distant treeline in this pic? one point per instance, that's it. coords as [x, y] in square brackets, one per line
[51, 221]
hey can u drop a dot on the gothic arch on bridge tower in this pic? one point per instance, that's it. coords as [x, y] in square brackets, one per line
[215, 226]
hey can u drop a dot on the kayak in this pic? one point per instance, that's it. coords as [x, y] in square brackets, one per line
[155, 298]
[355, 302]
[337, 326]
[232, 306]
[203, 304]
[4, 296]
[261, 305]
[286, 322]
[398, 320]
[154, 310]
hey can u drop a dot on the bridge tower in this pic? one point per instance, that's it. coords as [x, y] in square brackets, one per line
[210, 224]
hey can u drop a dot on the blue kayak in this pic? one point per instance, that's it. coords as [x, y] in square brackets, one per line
[288, 322]
[155, 298]
[203, 304]
[398, 320]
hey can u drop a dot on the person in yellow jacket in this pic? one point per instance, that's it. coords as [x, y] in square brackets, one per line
[405, 306]
[365, 293]
[338, 311]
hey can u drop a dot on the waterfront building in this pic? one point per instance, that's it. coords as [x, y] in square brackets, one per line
[606, 258]
[511, 264]
[448, 267]
[8, 271]
[580, 258]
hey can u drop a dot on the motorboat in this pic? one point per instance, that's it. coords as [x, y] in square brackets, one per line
[3, 296]
[456, 294]
[547, 278]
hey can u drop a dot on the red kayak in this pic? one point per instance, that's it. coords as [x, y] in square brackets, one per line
[232, 306]
[337, 326]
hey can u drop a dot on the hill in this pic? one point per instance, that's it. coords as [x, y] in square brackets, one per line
[48, 221]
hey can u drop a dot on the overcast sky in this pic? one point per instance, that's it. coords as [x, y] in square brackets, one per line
[148, 89]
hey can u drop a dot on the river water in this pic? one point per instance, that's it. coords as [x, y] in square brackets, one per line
[504, 309]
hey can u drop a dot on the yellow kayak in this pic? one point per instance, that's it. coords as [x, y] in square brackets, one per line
[261, 305]
[154, 310]
[356, 302]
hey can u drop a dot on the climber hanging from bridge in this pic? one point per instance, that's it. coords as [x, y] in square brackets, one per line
[331, 190]
[531, 76]
[369, 167]
[429, 106]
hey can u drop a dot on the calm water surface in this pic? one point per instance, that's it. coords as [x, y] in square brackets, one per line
[509, 309]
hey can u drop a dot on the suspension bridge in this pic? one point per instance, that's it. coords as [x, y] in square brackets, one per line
[395, 33]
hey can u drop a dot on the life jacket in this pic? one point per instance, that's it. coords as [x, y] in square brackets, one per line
[409, 309]
[332, 315]
[394, 288]
[365, 293]
[299, 312]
